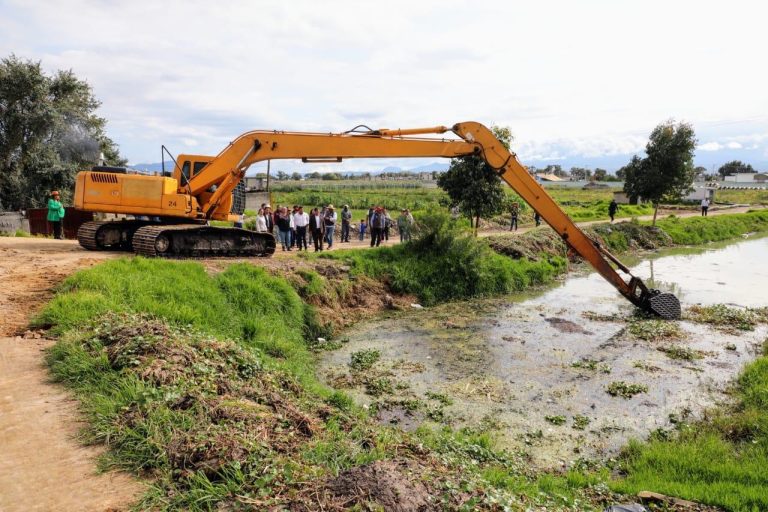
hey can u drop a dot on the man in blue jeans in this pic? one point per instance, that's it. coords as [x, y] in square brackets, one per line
[330, 224]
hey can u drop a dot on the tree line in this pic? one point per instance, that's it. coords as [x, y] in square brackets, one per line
[49, 130]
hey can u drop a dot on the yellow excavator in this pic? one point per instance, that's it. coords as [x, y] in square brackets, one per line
[171, 213]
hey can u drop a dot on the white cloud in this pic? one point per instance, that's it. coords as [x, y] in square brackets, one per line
[710, 146]
[566, 79]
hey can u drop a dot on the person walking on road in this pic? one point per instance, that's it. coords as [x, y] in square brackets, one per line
[56, 214]
[316, 228]
[346, 218]
[537, 218]
[515, 212]
[704, 207]
[301, 221]
[329, 219]
[612, 209]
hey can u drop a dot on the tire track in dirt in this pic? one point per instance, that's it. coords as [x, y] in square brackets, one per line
[43, 466]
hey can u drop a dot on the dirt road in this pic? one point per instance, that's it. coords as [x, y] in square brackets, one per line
[43, 466]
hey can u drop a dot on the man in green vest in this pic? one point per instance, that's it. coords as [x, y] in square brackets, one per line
[55, 214]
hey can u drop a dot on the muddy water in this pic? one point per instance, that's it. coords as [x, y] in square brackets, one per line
[510, 364]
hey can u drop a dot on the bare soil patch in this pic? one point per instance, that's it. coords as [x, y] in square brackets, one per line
[43, 466]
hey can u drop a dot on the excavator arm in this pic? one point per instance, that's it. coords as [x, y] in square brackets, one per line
[228, 168]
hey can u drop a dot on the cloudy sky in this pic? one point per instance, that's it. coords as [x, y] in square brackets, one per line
[579, 83]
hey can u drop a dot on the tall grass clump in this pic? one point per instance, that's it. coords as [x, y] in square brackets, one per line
[243, 303]
[444, 262]
[719, 461]
[699, 230]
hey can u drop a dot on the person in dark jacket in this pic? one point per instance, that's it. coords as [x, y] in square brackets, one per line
[346, 219]
[378, 224]
[316, 229]
[283, 221]
[612, 209]
[515, 213]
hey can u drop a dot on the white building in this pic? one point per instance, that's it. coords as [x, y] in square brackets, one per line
[747, 177]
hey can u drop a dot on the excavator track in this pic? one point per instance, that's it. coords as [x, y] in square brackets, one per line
[108, 235]
[198, 241]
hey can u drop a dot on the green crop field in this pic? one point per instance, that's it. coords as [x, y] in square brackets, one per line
[580, 204]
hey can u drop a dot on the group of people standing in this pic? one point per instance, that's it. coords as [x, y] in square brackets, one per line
[296, 228]
[380, 223]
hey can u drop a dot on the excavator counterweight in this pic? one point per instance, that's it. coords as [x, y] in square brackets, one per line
[201, 189]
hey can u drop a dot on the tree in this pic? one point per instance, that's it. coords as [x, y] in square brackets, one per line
[473, 185]
[296, 176]
[580, 173]
[557, 170]
[331, 176]
[734, 167]
[48, 132]
[600, 174]
[621, 173]
[281, 176]
[667, 171]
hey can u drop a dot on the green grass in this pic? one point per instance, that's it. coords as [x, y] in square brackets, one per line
[446, 263]
[700, 230]
[720, 461]
[581, 205]
[244, 302]
[742, 196]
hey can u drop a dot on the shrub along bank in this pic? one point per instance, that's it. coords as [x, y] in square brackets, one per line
[444, 262]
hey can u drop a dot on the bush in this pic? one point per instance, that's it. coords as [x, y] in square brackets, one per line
[444, 262]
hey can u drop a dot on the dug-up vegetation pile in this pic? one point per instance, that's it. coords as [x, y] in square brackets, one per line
[208, 423]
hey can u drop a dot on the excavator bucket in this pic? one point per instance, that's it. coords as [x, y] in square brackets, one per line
[665, 305]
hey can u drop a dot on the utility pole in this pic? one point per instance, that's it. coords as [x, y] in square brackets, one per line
[268, 161]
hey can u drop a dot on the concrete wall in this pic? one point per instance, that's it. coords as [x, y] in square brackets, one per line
[11, 221]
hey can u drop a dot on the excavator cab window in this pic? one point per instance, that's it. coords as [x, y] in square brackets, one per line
[185, 169]
[199, 166]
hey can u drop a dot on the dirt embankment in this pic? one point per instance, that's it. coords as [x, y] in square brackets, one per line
[43, 466]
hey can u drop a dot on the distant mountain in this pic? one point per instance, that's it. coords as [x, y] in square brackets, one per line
[156, 167]
[391, 169]
[434, 166]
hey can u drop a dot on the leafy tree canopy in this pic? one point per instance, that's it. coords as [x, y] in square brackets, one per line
[667, 171]
[473, 185]
[734, 167]
[48, 132]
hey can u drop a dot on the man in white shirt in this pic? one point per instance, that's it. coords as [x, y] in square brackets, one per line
[704, 207]
[301, 221]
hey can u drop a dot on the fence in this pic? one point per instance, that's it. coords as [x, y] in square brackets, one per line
[73, 219]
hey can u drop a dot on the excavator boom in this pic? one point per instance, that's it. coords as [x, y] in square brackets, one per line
[206, 193]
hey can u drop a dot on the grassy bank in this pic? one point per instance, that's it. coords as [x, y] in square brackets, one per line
[633, 235]
[446, 263]
[719, 461]
[204, 385]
